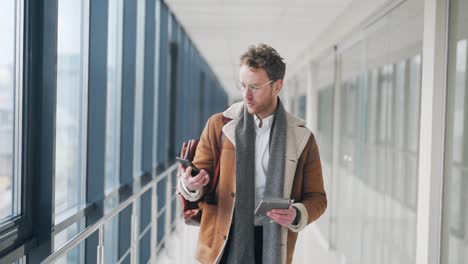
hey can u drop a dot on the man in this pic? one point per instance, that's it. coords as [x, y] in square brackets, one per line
[267, 152]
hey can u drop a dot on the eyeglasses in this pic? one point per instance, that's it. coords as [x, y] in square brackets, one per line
[252, 88]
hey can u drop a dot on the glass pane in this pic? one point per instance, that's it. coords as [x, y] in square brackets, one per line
[140, 64]
[455, 201]
[156, 82]
[20, 261]
[301, 106]
[111, 232]
[414, 95]
[145, 210]
[161, 226]
[161, 192]
[324, 134]
[114, 88]
[174, 198]
[76, 255]
[7, 106]
[111, 240]
[71, 112]
[375, 190]
[145, 248]
[125, 259]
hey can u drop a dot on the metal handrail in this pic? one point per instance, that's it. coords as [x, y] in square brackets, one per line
[99, 225]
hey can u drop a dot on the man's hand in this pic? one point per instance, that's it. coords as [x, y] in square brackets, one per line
[196, 182]
[284, 217]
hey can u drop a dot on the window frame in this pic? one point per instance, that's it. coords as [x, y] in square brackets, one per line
[15, 226]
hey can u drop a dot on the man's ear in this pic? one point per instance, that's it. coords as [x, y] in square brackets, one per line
[279, 85]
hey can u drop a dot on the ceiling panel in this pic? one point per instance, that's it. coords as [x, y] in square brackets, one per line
[223, 29]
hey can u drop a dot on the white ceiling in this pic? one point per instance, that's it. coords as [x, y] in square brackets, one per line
[223, 29]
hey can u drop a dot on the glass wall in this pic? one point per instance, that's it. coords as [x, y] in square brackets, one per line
[325, 82]
[72, 172]
[114, 91]
[375, 191]
[295, 95]
[140, 64]
[113, 121]
[10, 98]
[70, 144]
[348, 227]
[76, 255]
[455, 201]
[298, 101]
[157, 45]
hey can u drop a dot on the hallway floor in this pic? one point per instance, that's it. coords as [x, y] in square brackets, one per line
[309, 248]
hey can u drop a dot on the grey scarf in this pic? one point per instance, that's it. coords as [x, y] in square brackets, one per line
[241, 249]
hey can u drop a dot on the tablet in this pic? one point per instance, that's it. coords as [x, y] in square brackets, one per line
[267, 204]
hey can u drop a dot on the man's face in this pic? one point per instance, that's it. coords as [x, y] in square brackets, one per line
[261, 102]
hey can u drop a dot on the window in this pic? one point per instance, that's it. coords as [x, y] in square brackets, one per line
[114, 90]
[325, 83]
[301, 106]
[379, 118]
[70, 144]
[10, 107]
[140, 64]
[113, 123]
[157, 60]
[201, 105]
[454, 242]
[325, 124]
[76, 255]
[174, 75]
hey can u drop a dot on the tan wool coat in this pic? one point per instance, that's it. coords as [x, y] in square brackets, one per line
[303, 182]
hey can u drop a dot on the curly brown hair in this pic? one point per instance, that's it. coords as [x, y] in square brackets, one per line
[264, 57]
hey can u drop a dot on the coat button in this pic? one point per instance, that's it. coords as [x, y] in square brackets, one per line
[233, 195]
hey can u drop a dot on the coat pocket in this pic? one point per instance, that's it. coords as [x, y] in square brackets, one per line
[208, 225]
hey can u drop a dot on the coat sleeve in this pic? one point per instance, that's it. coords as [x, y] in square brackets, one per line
[188, 195]
[204, 157]
[205, 154]
[314, 198]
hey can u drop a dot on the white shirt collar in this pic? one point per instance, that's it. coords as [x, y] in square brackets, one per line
[266, 122]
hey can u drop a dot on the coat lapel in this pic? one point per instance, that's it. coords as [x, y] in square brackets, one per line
[297, 136]
[233, 113]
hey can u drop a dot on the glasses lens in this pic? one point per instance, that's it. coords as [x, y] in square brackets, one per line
[240, 86]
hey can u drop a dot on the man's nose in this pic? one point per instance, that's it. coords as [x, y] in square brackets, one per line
[247, 93]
